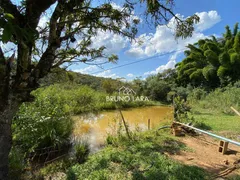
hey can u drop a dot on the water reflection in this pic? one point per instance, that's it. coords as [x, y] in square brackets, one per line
[94, 127]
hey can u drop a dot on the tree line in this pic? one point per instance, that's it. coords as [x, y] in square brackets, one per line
[210, 63]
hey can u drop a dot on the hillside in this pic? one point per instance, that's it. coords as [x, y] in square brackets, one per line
[59, 75]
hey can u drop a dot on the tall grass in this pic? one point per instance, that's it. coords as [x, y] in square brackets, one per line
[212, 110]
[218, 101]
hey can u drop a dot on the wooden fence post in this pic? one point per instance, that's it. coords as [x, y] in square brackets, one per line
[125, 125]
[148, 124]
[235, 111]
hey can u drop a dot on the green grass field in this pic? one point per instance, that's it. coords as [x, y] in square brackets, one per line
[217, 122]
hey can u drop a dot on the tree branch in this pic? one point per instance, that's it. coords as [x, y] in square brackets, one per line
[34, 9]
[1, 54]
[46, 61]
[12, 9]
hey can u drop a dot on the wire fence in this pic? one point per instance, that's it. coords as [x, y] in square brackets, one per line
[46, 155]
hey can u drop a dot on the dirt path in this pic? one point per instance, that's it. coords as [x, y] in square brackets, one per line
[202, 151]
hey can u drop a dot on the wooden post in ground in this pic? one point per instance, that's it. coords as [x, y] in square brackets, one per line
[235, 111]
[125, 125]
[148, 124]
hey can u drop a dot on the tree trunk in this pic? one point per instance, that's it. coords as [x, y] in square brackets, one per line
[6, 115]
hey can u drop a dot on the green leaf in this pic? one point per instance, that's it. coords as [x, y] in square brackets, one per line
[7, 33]
[8, 16]
[222, 71]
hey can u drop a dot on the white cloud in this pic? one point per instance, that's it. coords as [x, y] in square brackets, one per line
[107, 74]
[93, 69]
[136, 52]
[114, 43]
[170, 65]
[207, 20]
[86, 70]
[163, 40]
[130, 75]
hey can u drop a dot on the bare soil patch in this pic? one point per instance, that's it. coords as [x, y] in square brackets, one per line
[202, 151]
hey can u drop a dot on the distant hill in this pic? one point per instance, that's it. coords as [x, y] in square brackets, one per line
[63, 76]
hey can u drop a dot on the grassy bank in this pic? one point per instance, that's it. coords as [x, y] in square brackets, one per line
[212, 111]
[222, 124]
[142, 157]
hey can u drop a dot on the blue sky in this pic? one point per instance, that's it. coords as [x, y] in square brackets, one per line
[214, 14]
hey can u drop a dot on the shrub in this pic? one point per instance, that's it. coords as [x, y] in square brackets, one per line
[110, 139]
[81, 152]
[181, 110]
[16, 163]
[57, 166]
[41, 124]
[237, 84]
[182, 92]
[220, 100]
[157, 89]
[196, 94]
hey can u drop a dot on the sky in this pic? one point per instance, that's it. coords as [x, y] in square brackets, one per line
[159, 49]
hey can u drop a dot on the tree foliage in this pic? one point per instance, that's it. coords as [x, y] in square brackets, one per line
[212, 62]
[68, 35]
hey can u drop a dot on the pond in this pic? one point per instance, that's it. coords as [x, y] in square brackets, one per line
[94, 127]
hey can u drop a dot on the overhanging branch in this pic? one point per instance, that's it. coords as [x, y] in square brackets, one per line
[11, 8]
[34, 9]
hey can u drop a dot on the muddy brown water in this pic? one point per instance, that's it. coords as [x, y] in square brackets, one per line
[94, 127]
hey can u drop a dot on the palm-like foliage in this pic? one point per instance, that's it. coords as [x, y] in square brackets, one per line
[211, 62]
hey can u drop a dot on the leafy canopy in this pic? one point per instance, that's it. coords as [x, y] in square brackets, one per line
[212, 62]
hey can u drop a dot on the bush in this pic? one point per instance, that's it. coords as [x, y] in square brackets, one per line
[196, 95]
[237, 84]
[110, 139]
[157, 89]
[57, 166]
[77, 99]
[181, 110]
[41, 124]
[81, 152]
[183, 92]
[74, 98]
[220, 100]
